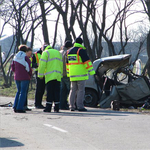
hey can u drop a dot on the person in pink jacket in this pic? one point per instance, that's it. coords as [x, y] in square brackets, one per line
[21, 66]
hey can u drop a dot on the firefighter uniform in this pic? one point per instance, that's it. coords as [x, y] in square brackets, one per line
[78, 67]
[51, 66]
[40, 83]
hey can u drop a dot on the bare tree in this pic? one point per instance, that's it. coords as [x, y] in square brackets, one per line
[22, 16]
[62, 8]
[44, 26]
[146, 5]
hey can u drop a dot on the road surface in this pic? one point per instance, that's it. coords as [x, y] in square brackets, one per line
[96, 129]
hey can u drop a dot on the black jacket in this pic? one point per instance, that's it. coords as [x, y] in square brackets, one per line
[34, 63]
[82, 53]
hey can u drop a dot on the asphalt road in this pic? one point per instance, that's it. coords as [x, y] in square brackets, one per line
[96, 129]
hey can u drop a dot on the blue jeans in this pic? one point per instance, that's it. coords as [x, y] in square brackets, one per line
[64, 92]
[21, 94]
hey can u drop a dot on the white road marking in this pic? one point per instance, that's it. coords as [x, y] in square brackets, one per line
[48, 125]
[56, 128]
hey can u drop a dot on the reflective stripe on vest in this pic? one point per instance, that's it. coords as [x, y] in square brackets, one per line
[84, 75]
[77, 58]
[51, 58]
[37, 58]
[49, 103]
[49, 72]
[43, 60]
[54, 59]
[91, 70]
[87, 63]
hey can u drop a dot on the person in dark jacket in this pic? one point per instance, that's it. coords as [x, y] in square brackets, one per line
[40, 83]
[65, 81]
[21, 66]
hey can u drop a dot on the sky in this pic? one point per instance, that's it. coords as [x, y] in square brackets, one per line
[39, 39]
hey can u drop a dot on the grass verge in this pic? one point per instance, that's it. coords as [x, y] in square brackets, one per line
[11, 91]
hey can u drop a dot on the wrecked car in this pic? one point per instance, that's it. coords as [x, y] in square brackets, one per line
[115, 81]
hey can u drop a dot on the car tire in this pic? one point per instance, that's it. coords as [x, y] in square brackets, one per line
[90, 98]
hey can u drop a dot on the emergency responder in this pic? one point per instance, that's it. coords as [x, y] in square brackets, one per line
[78, 67]
[65, 81]
[51, 66]
[40, 83]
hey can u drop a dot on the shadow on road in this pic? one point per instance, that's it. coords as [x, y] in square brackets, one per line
[89, 113]
[5, 142]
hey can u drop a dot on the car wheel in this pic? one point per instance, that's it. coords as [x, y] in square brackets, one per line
[90, 98]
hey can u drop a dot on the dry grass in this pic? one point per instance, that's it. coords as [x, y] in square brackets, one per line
[11, 91]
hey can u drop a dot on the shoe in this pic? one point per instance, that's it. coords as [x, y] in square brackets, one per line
[20, 111]
[46, 110]
[39, 107]
[65, 108]
[28, 109]
[56, 111]
[14, 109]
[72, 109]
[82, 109]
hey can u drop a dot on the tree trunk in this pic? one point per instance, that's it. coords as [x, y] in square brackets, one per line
[3, 71]
[44, 26]
[147, 66]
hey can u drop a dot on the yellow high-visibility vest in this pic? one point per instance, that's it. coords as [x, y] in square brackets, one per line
[50, 65]
[77, 69]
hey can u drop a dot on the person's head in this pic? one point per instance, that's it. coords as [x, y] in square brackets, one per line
[68, 44]
[48, 47]
[79, 40]
[29, 52]
[44, 46]
[22, 48]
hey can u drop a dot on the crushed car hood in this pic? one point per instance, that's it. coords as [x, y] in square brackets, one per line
[102, 65]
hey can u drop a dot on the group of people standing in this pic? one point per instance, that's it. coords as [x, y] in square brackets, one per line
[62, 73]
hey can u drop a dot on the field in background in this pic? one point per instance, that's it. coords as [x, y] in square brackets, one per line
[11, 91]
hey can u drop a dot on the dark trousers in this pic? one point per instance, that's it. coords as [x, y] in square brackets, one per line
[53, 94]
[64, 92]
[40, 89]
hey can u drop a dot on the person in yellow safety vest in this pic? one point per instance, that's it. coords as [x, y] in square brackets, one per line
[40, 84]
[78, 67]
[51, 66]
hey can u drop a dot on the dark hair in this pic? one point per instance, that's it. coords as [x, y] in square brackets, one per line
[44, 46]
[28, 49]
[68, 44]
[23, 48]
[79, 40]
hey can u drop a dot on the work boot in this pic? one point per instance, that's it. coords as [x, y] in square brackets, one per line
[39, 107]
[56, 108]
[82, 109]
[48, 108]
